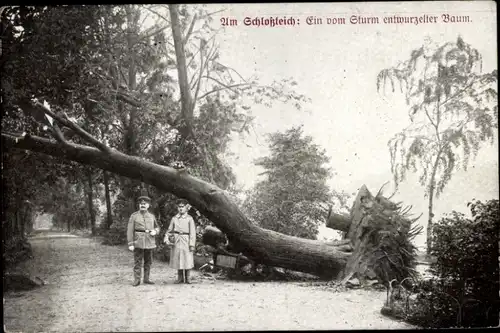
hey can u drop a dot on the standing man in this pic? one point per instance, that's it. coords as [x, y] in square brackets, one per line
[181, 235]
[141, 232]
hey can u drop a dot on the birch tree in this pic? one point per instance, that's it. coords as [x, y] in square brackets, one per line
[453, 111]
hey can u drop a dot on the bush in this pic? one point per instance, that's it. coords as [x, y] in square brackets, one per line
[16, 249]
[162, 251]
[116, 235]
[464, 292]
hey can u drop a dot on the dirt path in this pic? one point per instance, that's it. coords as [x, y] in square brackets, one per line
[89, 289]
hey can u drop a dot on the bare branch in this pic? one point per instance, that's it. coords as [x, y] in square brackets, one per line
[211, 55]
[457, 93]
[430, 118]
[158, 14]
[199, 50]
[224, 88]
[120, 94]
[128, 99]
[192, 58]
[202, 68]
[77, 129]
[213, 13]
[223, 84]
[144, 20]
[190, 30]
[421, 137]
[149, 35]
[58, 134]
[235, 71]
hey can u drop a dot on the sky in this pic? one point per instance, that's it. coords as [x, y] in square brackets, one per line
[336, 67]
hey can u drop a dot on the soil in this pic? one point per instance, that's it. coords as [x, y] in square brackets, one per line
[89, 289]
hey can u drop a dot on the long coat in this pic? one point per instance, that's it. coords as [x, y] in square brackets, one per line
[184, 231]
[137, 225]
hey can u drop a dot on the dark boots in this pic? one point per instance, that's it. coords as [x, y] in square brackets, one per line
[182, 276]
[187, 277]
[146, 277]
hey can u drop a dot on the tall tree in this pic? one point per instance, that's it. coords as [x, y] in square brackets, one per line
[159, 116]
[211, 98]
[293, 197]
[453, 108]
[27, 48]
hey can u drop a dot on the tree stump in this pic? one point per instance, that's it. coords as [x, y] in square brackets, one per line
[380, 233]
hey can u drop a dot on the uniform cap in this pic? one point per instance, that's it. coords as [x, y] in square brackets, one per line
[182, 202]
[144, 196]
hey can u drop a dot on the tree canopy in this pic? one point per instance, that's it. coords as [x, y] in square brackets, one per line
[115, 71]
[293, 197]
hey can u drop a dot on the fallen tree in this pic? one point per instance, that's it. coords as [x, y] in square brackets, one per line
[271, 248]
[334, 260]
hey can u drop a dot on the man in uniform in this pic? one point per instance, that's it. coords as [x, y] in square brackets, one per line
[181, 235]
[141, 232]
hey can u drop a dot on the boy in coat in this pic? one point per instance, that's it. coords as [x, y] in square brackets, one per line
[181, 235]
[141, 231]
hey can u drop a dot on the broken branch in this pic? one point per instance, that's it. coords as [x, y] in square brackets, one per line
[77, 129]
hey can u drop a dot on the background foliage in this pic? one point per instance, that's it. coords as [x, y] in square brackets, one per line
[465, 289]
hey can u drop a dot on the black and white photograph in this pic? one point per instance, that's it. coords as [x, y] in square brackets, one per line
[250, 166]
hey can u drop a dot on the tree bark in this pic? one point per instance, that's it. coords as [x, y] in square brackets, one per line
[17, 222]
[90, 199]
[431, 198]
[339, 222]
[24, 220]
[109, 213]
[68, 224]
[187, 100]
[269, 247]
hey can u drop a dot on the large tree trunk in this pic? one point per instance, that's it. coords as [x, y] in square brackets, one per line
[68, 224]
[271, 248]
[26, 216]
[17, 226]
[109, 213]
[339, 222]
[187, 100]
[90, 200]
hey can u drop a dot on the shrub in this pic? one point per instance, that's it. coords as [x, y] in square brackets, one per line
[116, 235]
[464, 292]
[16, 249]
